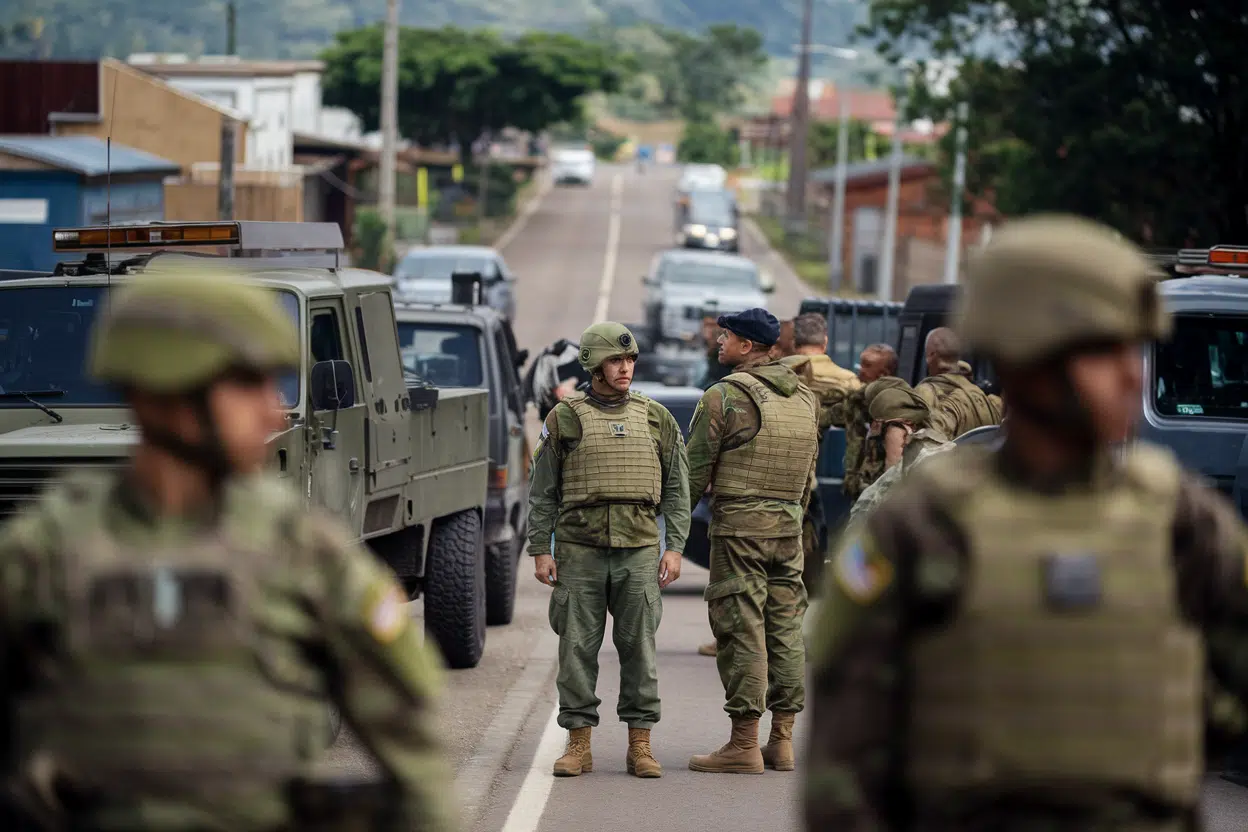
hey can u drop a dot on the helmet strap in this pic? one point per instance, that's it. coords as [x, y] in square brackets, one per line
[208, 454]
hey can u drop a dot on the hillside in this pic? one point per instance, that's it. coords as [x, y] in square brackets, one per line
[301, 28]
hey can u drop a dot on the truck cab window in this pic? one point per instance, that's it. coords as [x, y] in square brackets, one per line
[325, 337]
[1202, 371]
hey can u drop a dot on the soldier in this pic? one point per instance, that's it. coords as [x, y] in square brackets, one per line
[1018, 639]
[753, 439]
[174, 632]
[785, 345]
[957, 404]
[831, 383]
[864, 456]
[710, 339]
[608, 462]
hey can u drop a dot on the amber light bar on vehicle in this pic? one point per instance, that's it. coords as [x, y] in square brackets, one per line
[146, 236]
[1228, 256]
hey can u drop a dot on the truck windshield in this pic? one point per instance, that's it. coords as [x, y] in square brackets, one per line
[45, 334]
[442, 354]
[1203, 370]
[707, 274]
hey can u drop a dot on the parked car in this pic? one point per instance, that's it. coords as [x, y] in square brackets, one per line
[569, 164]
[455, 346]
[682, 285]
[424, 276]
[708, 220]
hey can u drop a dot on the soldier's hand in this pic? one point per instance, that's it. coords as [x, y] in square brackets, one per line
[669, 568]
[544, 570]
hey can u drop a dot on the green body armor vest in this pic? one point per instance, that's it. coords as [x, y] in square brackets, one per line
[617, 459]
[171, 676]
[786, 442]
[1069, 665]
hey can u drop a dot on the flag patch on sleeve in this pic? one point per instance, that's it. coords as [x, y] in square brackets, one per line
[861, 573]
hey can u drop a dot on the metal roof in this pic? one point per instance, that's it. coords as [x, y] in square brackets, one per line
[85, 155]
[860, 170]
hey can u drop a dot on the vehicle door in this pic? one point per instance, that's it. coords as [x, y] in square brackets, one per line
[384, 391]
[338, 447]
[512, 402]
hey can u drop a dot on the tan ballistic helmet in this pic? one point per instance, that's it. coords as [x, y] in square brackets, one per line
[1050, 282]
[605, 340]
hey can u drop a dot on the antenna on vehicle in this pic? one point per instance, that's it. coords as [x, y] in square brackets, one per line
[108, 186]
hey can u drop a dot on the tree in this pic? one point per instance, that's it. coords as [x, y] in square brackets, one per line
[705, 142]
[705, 74]
[1131, 111]
[457, 85]
[824, 135]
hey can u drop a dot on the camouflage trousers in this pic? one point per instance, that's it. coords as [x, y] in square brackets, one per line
[591, 583]
[756, 602]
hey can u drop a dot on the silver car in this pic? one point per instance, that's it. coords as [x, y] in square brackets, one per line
[683, 285]
[424, 276]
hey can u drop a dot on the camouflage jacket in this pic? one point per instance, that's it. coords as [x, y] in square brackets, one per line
[864, 453]
[874, 493]
[855, 715]
[830, 382]
[321, 595]
[727, 418]
[607, 526]
[957, 405]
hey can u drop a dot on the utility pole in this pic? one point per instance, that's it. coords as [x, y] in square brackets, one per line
[888, 256]
[836, 258]
[953, 247]
[225, 173]
[798, 133]
[389, 119]
[231, 30]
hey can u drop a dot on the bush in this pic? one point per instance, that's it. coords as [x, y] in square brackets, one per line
[370, 241]
[606, 145]
[705, 142]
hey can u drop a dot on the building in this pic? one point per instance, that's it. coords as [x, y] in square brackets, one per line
[875, 108]
[48, 182]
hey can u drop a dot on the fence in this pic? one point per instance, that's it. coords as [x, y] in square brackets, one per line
[258, 195]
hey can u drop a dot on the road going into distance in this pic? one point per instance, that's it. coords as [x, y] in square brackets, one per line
[579, 254]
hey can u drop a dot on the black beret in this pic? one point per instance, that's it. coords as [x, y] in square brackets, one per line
[757, 325]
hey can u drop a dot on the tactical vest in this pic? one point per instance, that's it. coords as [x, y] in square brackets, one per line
[617, 459]
[958, 402]
[1037, 681]
[774, 463]
[166, 674]
[925, 439]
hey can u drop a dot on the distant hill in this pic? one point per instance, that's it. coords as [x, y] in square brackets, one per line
[301, 28]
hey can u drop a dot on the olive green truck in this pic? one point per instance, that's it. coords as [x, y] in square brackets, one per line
[403, 463]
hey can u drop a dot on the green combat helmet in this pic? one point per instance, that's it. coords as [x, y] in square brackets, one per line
[1048, 283]
[603, 341]
[175, 333]
[891, 398]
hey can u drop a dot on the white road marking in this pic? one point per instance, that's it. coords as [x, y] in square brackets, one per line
[613, 250]
[526, 812]
[519, 223]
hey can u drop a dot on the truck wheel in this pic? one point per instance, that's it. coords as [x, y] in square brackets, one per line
[455, 589]
[500, 583]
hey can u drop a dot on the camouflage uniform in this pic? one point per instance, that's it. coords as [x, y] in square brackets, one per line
[1004, 652]
[831, 383]
[864, 452]
[174, 672]
[602, 472]
[754, 439]
[957, 404]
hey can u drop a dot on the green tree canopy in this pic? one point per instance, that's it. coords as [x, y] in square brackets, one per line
[455, 85]
[1130, 111]
[705, 142]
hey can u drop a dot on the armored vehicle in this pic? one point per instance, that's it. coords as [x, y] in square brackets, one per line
[461, 345]
[401, 462]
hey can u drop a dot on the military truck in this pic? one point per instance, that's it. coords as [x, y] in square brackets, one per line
[401, 462]
[464, 344]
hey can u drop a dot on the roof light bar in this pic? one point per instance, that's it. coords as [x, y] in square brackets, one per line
[245, 236]
[1228, 256]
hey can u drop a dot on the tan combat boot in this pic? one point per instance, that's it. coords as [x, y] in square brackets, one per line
[740, 756]
[577, 758]
[640, 762]
[778, 752]
[711, 649]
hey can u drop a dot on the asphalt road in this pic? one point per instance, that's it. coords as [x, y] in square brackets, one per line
[579, 255]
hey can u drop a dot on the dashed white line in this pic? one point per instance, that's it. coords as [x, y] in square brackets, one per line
[526, 812]
[613, 250]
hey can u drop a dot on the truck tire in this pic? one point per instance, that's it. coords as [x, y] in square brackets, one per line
[500, 582]
[455, 588]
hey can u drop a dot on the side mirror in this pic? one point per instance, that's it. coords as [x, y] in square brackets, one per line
[332, 386]
[521, 357]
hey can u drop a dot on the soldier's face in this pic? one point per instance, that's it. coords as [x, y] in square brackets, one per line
[247, 411]
[1109, 383]
[617, 372]
[870, 367]
[733, 349]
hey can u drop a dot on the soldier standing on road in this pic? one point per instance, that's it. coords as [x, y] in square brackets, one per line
[609, 461]
[864, 454]
[957, 404]
[753, 439]
[1018, 639]
[174, 632]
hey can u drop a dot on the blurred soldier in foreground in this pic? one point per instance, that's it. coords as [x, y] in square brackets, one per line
[957, 404]
[864, 456]
[608, 462]
[831, 383]
[753, 439]
[173, 633]
[1019, 639]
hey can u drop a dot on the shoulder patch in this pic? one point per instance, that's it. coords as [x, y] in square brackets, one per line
[386, 613]
[861, 572]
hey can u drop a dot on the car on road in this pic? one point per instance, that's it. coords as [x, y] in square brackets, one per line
[572, 164]
[682, 285]
[462, 346]
[699, 176]
[423, 275]
[708, 220]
